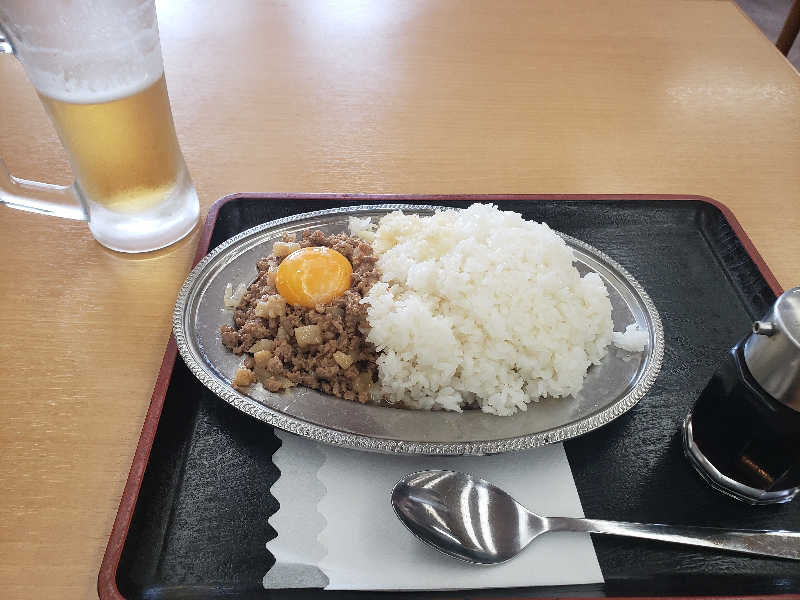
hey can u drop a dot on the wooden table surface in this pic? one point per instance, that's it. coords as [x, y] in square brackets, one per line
[428, 97]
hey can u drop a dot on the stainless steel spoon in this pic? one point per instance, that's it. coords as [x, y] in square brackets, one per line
[471, 519]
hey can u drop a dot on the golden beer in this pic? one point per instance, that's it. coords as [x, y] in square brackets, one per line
[97, 67]
[124, 152]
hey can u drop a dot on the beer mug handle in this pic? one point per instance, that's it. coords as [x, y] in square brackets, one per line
[44, 198]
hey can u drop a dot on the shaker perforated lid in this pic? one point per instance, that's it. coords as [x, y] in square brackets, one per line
[772, 352]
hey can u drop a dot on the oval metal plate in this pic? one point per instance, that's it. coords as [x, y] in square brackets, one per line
[610, 388]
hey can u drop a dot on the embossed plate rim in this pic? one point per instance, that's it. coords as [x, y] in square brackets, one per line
[377, 444]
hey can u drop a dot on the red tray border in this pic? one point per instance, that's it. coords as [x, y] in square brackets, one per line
[107, 578]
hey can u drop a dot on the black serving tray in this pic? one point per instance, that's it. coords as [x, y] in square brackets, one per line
[192, 522]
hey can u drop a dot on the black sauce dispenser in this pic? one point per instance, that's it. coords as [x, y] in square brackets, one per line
[743, 434]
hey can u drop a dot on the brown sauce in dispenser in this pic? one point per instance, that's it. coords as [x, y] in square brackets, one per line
[743, 435]
[744, 432]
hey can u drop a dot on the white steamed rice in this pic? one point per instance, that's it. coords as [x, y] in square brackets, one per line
[481, 305]
[633, 339]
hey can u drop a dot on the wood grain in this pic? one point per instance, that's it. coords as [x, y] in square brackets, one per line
[605, 96]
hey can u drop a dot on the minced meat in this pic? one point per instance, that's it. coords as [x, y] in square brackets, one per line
[333, 334]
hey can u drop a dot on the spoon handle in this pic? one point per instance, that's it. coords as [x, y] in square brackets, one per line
[783, 544]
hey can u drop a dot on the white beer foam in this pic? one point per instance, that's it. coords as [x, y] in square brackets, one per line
[109, 49]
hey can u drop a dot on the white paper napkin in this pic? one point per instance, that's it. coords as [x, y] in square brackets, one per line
[336, 527]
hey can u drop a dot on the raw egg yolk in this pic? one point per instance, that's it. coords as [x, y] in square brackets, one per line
[313, 275]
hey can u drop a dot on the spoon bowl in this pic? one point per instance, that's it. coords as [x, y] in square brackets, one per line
[473, 520]
[465, 517]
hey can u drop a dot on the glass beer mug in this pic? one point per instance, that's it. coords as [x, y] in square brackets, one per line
[97, 67]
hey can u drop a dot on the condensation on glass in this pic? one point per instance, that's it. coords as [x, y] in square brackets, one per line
[98, 70]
